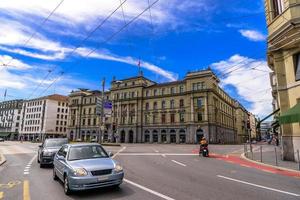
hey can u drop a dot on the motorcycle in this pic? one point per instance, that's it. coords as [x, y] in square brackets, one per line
[204, 151]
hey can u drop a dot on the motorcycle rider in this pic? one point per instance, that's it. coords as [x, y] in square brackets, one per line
[203, 143]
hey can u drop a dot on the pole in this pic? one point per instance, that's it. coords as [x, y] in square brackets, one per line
[260, 153]
[101, 114]
[298, 158]
[276, 157]
[250, 143]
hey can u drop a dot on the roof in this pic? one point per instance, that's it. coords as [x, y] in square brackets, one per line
[56, 97]
[135, 77]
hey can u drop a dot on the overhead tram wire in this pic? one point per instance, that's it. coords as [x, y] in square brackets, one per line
[35, 32]
[106, 41]
[90, 34]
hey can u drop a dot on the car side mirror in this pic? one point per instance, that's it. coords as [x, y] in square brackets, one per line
[110, 154]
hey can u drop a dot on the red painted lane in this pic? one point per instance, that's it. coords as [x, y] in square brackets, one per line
[245, 163]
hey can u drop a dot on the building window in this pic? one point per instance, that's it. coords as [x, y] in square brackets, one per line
[172, 90]
[163, 118]
[181, 103]
[181, 117]
[162, 91]
[297, 66]
[58, 109]
[83, 122]
[181, 89]
[89, 122]
[155, 105]
[199, 117]
[147, 119]
[199, 103]
[147, 93]
[172, 118]
[163, 104]
[172, 103]
[132, 94]
[278, 6]
[155, 92]
[147, 106]
[154, 118]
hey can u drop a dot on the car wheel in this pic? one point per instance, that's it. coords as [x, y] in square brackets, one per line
[41, 165]
[38, 160]
[66, 186]
[54, 175]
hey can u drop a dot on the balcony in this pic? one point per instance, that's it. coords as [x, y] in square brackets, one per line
[283, 29]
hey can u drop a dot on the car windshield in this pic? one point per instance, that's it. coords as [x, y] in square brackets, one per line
[55, 143]
[86, 152]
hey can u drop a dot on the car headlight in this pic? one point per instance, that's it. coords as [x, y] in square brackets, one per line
[47, 153]
[80, 172]
[118, 168]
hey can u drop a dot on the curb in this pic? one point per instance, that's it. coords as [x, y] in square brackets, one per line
[111, 144]
[267, 165]
[2, 160]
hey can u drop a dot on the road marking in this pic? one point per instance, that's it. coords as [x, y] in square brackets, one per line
[26, 170]
[26, 173]
[179, 163]
[30, 162]
[148, 190]
[1, 195]
[259, 186]
[26, 193]
[245, 165]
[118, 152]
[163, 155]
[158, 154]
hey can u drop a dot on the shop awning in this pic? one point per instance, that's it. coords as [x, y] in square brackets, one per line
[292, 115]
[4, 134]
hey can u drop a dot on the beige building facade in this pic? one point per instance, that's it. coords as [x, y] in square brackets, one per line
[283, 21]
[84, 123]
[175, 112]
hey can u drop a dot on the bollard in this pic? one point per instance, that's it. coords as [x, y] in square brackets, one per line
[298, 158]
[260, 153]
[276, 157]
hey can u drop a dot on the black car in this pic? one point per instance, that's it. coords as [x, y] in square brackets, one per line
[48, 149]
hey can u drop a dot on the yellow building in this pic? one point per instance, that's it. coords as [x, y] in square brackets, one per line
[83, 123]
[241, 117]
[283, 20]
[175, 112]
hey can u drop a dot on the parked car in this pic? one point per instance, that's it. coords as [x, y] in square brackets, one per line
[1, 139]
[48, 149]
[86, 166]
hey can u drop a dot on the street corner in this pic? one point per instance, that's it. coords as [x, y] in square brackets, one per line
[269, 168]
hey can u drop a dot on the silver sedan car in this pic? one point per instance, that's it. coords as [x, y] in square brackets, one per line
[86, 166]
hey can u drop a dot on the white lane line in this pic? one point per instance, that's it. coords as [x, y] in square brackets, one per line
[157, 154]
[148, 190]
[179, 163]
[26, 170]
[259, 186]
[30, 162]
[163, 155]
[25, 173]
[118, 152]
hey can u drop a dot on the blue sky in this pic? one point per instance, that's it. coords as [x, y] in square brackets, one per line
[180, 35]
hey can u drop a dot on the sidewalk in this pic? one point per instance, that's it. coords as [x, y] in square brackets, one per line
[269, 157]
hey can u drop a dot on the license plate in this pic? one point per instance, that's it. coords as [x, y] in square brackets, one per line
[102, 178]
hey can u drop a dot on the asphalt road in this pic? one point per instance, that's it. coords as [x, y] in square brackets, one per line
[151, 172]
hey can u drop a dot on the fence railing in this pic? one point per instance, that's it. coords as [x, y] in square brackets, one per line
[270, 154]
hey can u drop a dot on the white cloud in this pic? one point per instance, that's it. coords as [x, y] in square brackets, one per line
[250, 77]
[105, 55]
[253, 35]
[13, 63]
